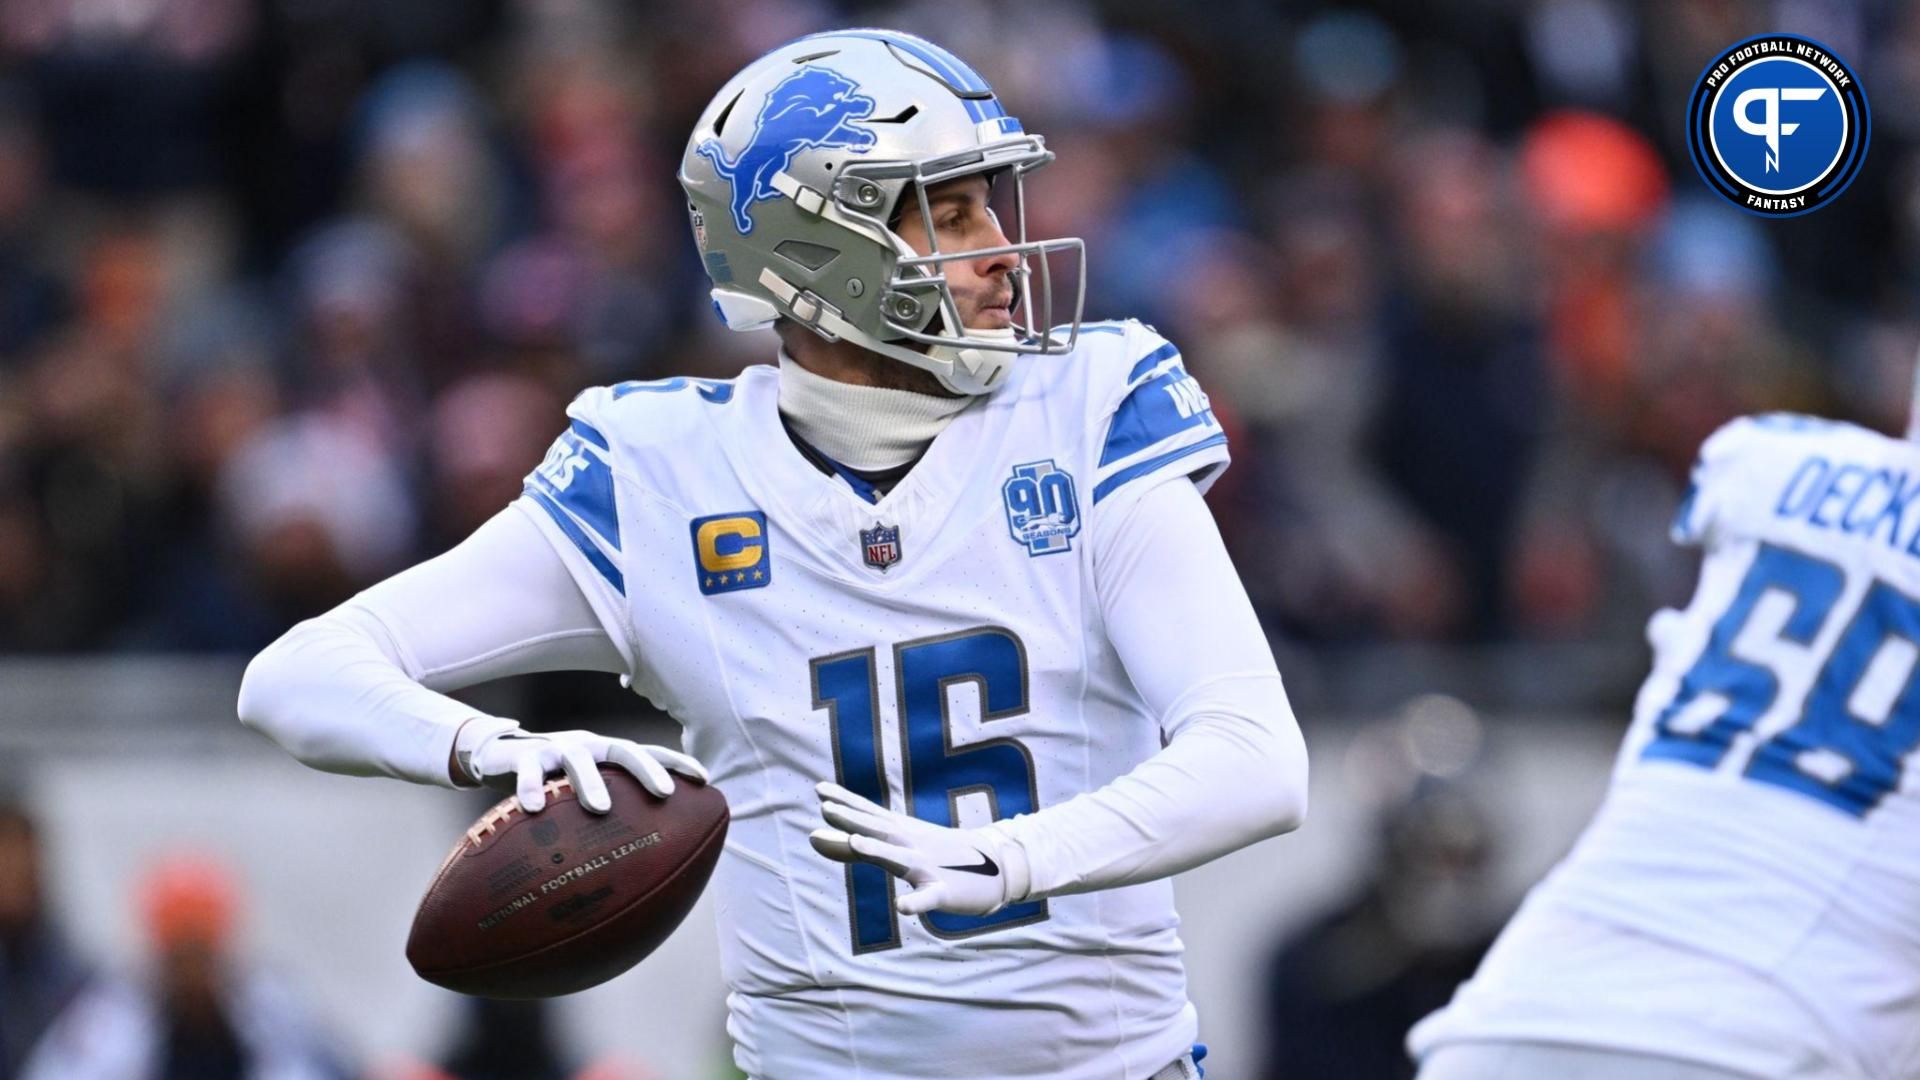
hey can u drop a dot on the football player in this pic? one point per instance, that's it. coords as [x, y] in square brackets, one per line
[1746, 903]
[936, 601]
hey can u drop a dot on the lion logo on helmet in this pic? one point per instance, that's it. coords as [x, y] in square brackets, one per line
[812, 108]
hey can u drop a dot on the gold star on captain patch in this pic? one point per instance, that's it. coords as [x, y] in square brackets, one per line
[709, 583]
[740, 576]
[757, 575]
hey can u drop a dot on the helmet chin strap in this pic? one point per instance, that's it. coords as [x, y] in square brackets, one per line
[963, 371]
[985, 366]
[970, 371]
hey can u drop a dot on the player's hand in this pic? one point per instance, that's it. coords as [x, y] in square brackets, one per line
[523, 759]
[965, 871]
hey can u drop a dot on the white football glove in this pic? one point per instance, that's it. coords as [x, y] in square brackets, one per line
[499, 753]
[964, 871]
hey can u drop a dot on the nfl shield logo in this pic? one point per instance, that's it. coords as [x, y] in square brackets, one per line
[881, 545]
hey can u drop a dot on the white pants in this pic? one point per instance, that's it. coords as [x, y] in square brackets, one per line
[1183, 1069]
[1533, 1061]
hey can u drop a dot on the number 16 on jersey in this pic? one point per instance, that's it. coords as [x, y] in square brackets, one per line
[936, 774]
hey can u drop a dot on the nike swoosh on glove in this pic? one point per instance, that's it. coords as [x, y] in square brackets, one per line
[964, 871]
[504, 756]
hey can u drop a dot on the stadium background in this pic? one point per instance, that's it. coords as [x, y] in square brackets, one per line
[292, 293]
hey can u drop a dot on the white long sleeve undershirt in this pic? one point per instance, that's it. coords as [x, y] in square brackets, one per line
[1234, 770]
[359, 689]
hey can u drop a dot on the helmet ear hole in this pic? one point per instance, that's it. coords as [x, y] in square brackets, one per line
[812, 256]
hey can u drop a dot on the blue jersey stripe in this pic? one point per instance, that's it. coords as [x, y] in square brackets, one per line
[587, 432]
[584, 487]
[1153, 413]
[1152, 360]
[1106, 487]
[587, 547]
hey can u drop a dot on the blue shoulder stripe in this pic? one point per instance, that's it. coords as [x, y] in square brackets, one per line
[576, 478]
[587, 547]
[587, 432]
[1151, 360]
[1106, 487]
[1155, 411]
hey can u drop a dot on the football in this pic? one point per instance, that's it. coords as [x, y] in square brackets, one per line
[539, 905]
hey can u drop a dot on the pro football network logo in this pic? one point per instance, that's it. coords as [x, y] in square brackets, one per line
[1778, 125]
[880, 546]
[812, 108]
[1043, 512]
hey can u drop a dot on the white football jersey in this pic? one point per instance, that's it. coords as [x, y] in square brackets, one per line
[1757, 859]
[938, 649]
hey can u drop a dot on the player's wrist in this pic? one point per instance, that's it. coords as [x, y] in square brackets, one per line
[469, 741]
[1006, 849]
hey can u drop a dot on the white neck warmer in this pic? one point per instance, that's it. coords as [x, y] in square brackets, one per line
[864, 428]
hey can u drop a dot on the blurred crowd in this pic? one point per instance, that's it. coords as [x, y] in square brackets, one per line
[293, 292]
[197, 1004]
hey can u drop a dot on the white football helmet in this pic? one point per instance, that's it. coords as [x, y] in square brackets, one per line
[799, 164]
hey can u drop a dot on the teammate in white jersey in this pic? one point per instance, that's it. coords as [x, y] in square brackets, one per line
[1746, 903]
[936, 601]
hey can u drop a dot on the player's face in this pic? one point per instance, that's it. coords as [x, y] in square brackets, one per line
[963, 220]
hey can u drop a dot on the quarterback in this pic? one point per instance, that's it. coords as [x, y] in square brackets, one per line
[935, 600]
[1746, 903]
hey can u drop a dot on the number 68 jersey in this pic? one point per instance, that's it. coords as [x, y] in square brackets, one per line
[938, 649]
[1759, 849]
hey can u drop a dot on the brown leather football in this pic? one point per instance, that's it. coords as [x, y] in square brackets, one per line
[538, 905]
